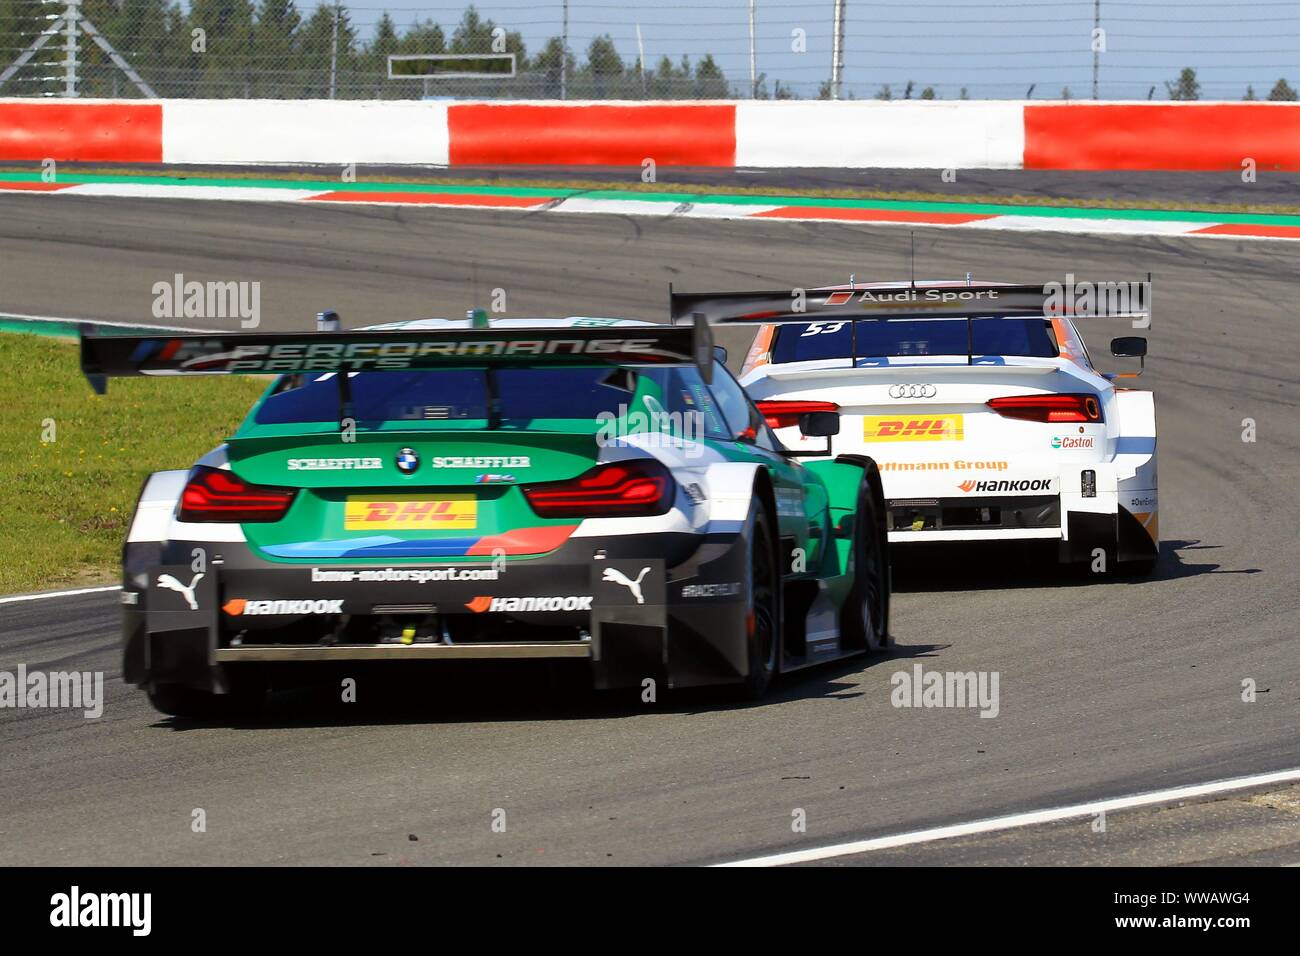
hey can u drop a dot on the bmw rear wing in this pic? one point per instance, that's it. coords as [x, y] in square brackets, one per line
[1131, 300]
[277, 353]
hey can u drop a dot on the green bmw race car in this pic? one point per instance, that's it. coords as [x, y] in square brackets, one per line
[589, 490]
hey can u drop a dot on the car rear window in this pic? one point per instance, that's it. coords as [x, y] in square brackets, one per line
[878, 338]
[462, 394]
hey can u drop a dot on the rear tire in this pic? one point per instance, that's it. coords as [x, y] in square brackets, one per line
[865, 616]
[188, 703]
[1141, 568]
[1135, 540]
[763, 587]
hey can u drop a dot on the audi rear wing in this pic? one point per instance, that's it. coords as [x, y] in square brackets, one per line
[902, 373]
[1128, 300]
[1131, 300]
[276, 353]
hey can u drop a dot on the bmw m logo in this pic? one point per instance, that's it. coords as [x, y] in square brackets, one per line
[407, 460]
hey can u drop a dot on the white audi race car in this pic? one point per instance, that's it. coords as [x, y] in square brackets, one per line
[980, 403]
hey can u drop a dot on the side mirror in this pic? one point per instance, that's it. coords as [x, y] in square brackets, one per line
[819, 424]
[1132, 346]
[720, 353]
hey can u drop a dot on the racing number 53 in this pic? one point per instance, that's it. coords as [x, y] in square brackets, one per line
[822, 328]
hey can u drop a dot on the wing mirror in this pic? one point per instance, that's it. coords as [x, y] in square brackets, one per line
[819, 424]
[1130, 346]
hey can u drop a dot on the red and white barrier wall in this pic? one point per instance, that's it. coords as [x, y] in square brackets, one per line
[849, 134]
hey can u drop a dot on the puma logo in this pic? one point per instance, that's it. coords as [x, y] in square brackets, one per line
[171, 584]
[615, 576]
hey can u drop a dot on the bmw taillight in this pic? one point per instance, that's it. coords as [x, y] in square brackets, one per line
[1048, 408]
[617, 490]
[783, 414]
[213, 494]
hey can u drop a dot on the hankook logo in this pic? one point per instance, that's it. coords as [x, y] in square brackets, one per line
[912, 390]
[484, 603]
[240, 606]
[1027, 484]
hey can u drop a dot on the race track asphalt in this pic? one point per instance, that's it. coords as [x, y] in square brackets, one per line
[1107, 688]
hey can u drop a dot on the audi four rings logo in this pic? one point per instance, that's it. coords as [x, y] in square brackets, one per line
[911, 391]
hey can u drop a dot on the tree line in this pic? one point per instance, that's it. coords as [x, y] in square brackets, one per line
[268, 48]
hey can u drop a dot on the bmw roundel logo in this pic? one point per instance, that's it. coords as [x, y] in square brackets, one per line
[407, 460]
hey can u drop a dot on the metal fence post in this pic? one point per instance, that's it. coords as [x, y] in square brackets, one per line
[837, 50]
[334, 53]
[564, 55]
[71, 17]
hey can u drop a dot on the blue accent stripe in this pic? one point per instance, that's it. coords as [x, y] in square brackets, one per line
[380, 546]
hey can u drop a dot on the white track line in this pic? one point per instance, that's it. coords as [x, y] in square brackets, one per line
[58, 594]
[1032, 818]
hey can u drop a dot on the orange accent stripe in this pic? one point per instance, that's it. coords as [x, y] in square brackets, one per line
[1150, 521]
[1246, 229]
[758, 352]
[1065, 341]
[868, 215]
[1162, 136]
[35, 187]
[434, 199]
[108, 132]
[537, 135]
[524, 540]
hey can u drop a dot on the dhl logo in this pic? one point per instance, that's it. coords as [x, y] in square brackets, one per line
[906, 428]
[414, 512]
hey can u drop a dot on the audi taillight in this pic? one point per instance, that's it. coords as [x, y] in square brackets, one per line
[783, 414]
[617, 490]
[212, 494]
[1048, 408]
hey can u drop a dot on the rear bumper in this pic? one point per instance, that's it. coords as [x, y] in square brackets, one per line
[553, 650]
[969, 534]
[1082, 505]
[1122, 535]
[683, 623]
[991, 517]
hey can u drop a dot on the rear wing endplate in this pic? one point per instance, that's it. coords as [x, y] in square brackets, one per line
[277, 353]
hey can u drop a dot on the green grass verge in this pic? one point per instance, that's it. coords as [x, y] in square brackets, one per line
[67, 502]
